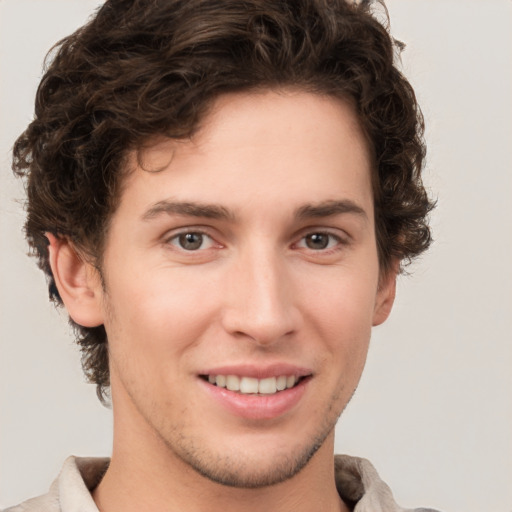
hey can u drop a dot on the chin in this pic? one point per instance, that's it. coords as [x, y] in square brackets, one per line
[263, 466]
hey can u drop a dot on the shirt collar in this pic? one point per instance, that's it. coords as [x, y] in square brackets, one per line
[357, 482]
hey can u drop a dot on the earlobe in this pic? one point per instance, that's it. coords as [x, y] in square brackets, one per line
[385, 295]
[78, 282]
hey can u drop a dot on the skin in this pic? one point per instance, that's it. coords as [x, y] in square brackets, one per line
[260, 289]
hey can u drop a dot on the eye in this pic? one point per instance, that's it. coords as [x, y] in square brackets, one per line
[192, 241]
[319, 241]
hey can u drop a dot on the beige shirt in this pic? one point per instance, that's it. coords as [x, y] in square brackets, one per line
[357, 482]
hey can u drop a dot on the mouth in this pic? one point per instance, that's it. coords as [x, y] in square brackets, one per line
[252, 386]
[257, 393]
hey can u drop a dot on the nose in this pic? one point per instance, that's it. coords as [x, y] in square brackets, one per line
[259, 302]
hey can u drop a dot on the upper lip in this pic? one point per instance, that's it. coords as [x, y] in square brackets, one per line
[259, 371]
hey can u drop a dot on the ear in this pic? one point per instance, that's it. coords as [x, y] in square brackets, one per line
[385, 294]
[78, 282]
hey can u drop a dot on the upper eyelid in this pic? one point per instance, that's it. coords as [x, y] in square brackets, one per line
[212, 233]
[343, 239]
[338, 238]
[337, 232]
[174, 232]
[171, 235]
[171, 241]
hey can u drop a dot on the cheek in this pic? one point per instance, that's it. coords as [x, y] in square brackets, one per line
[341, 313]
[154, 322]
[342, 302]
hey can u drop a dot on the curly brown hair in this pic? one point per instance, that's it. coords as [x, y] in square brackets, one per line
[141, 68]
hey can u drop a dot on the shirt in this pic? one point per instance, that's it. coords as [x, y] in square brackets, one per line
[357, 482]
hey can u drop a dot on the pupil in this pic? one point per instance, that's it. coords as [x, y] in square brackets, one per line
[191, 241]
[317, 241]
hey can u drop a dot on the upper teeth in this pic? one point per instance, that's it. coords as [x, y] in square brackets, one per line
[250, 385]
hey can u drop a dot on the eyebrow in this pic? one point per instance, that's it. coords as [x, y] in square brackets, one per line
[213, 211]
[330, 208]
[209, 211]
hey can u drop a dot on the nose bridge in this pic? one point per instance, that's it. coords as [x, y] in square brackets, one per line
[260, 299]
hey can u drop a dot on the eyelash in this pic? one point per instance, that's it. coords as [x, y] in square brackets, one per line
[177, 239]
[329, 245]
[178, 236]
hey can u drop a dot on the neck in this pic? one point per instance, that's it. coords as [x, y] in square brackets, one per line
[154, 478]
[146, 473]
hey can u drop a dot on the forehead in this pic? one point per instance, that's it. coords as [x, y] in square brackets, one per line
[286, 146]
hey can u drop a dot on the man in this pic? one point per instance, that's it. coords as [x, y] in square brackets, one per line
[222, 194]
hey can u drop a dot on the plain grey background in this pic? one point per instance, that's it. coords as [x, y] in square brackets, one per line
[433, 411]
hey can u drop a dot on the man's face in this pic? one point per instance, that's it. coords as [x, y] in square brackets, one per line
[247, 261]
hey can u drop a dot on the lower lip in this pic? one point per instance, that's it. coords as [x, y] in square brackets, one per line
[257, 407]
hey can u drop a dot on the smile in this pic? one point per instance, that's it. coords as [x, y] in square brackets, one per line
[257, 393]
[253, 386]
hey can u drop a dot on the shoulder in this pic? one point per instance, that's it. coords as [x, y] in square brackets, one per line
[47, 503]
[360, 485]
[70, 490]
